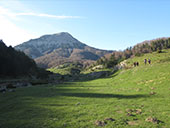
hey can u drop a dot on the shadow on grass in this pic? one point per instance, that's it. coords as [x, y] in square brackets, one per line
[78, 92]
[102, 95]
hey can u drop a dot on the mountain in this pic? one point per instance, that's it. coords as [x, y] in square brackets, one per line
[53, 50]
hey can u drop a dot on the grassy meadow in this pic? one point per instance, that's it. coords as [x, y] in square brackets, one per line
[129, 97]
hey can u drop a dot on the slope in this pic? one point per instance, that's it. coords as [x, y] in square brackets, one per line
[137, 96]
[53, 50]
[14, 63]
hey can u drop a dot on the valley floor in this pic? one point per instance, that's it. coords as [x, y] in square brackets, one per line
[133, 97]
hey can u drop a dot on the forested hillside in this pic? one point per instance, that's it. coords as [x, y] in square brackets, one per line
[138, 50]
[16, 64]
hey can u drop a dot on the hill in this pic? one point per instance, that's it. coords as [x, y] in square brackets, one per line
[132, 97]
[15, 63]
[16, 67]
[52, 50]
[149, 46]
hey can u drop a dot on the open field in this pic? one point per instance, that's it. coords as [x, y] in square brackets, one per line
[129, 96]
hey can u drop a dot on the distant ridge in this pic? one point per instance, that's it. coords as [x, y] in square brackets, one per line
[55, 49]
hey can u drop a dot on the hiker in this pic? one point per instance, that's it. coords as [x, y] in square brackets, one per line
[137, 63]
[145, 61]
[134, 64]
[149, 61]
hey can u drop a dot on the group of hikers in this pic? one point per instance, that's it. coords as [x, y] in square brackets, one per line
[136, 64]
[145, 61]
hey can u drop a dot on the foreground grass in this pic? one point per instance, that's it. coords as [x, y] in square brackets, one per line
[80, 104]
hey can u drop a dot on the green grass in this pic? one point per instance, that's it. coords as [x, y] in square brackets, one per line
[63, 71]
[80, 104]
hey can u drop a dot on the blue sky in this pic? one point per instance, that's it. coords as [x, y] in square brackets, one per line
[104, 24]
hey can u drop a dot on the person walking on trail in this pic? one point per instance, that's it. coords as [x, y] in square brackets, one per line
[134, 64]
[137, 63]
[145, 61]
[149, 61]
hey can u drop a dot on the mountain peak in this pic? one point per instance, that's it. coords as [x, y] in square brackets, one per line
[56, 35]
[51, 50]
[48, 43]
[63, 33]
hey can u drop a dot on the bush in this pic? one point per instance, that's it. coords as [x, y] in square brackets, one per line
[74, 71]
[138, 54]
[159, 51]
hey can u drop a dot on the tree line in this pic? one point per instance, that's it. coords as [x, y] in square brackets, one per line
[15, 63]
[137, 50]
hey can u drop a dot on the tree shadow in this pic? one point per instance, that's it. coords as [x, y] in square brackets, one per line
[102, 95]
[78, 92]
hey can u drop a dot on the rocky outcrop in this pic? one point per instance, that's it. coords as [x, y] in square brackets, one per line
[10, 86]
[121, 65]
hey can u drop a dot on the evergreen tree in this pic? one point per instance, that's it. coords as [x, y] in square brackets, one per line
[15, 63]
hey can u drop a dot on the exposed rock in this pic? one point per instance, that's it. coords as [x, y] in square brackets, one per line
[132, 123]
[11, 90]
[3, 88]
[98, 67]
[18, 84]
[22, 84]
[100, 123]
[152, 119]
[10, 85]
[131, 112]
[152, 93]
[138, 111]
[122, 65]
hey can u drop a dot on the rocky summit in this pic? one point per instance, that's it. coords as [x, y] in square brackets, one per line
[53, 50]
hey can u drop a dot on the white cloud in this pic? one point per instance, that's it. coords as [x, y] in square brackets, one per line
[8, 13]
[12, 34]
[46, 15]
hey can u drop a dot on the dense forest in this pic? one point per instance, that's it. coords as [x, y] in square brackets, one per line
[15, 63]
[137, 50]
